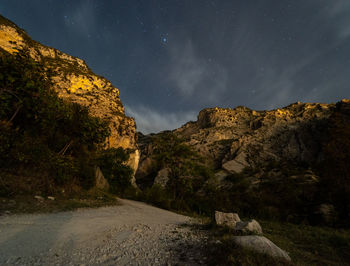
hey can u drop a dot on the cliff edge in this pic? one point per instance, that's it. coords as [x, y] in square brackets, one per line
[73, 80]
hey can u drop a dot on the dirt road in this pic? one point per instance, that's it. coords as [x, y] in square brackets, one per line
[131, 234]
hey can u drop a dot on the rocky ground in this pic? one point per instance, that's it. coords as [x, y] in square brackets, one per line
[131, 234]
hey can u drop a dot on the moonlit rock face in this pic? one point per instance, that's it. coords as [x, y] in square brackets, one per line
[75, 82]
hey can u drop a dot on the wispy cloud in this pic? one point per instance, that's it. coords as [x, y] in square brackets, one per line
[193, 74]
[339, 11]
[82, 17]
[152, 121]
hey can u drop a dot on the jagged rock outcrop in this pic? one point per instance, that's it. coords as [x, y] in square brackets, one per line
[74, 81]
[241, 137]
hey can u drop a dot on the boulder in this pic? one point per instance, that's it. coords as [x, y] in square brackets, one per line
[100, 180]
[162, 177]
[237, 164]
[251, 226]
[227, 219]
[262, 245]
[233, 166]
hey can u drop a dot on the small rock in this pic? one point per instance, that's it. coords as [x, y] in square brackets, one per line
[51, 198]
[39, 198]
[228, 219]
[251, 226]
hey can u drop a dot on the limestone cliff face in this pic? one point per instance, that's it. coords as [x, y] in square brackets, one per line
[74, 81]
[240, 137]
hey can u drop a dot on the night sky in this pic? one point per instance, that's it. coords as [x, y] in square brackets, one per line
[172, 58]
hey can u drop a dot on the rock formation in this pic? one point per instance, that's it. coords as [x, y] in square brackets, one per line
[262, 245]
[279, 163]
[74, 81]
[241, 137]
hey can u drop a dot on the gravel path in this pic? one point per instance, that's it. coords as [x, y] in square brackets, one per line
[131, 234]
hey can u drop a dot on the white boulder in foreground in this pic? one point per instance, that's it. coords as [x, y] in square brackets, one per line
[262, 245]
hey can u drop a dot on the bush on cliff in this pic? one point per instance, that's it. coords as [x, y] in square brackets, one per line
[42, 135]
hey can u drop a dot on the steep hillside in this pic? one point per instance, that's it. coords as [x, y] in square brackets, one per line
[240, 137]
[289, 163]
[73, 80]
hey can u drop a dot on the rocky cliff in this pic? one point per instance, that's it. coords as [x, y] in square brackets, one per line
[241, 137]
[74, 81]
[290, 163]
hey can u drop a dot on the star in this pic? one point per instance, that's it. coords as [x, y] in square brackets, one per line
[164, 38]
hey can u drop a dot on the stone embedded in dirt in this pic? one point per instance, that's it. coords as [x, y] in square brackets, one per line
[251, 226]
[227, 219]
[262, 245]
[51, 198]
[40, 198]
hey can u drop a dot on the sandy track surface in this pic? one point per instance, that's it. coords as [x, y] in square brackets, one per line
[131, 234]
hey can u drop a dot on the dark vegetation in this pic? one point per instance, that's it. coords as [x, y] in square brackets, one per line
[48, 145]
[279, 190]
[188, 171]
[335, 168]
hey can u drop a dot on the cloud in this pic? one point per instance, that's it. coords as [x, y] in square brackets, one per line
[191, 74]
[187, 71]
[339, 11]
[82, 17]
[280, 86]
[152, 121]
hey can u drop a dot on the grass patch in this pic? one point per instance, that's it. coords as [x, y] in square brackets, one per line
[306, 245]
[29, 204]
[310, 245]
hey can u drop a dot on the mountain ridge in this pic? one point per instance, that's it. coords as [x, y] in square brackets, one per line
[288, 153]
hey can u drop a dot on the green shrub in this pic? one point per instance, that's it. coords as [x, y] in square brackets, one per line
[41, 132]
[188, 171]
[114, 168]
